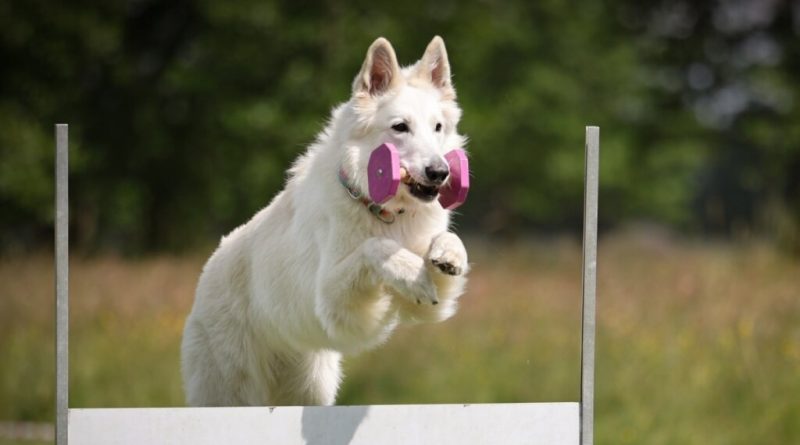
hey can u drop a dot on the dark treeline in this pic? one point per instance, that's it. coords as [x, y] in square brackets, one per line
[185, 115]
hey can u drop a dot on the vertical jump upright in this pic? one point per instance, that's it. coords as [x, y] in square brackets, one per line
[589, 281]
[62, 282]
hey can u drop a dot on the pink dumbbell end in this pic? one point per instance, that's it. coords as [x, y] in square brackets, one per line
[456, 191]
[383, 172]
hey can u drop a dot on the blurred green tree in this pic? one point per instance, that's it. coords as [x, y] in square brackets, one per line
[184, 115]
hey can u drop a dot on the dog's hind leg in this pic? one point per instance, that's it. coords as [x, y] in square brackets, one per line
[218, 370]
[205, 379]
[310, 378]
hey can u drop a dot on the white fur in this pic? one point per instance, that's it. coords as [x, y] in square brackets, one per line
[315, 275]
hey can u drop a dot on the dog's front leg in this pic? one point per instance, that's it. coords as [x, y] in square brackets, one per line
[446, 261]
[351, 300]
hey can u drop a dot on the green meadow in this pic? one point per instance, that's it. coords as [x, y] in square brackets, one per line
[698, 343]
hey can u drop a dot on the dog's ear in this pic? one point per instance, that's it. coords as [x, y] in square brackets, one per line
[380, 71]
[435, 67]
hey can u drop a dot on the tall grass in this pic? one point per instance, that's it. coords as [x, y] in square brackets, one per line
[697, 343]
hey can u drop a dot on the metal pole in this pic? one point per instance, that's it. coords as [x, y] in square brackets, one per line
[591, 177]
[62, 282]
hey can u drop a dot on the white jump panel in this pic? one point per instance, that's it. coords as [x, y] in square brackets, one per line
[508, 424]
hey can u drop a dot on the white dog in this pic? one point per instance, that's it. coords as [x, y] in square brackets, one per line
[319, 273]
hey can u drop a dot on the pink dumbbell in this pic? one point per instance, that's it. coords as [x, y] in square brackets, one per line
[384, 175]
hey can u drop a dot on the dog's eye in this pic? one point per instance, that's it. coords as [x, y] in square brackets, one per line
[438, 127]
[402, 127]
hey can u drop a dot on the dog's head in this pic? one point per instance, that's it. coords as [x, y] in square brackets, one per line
[413, 108]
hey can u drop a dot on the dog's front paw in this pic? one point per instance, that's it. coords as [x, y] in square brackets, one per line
[402, 270]
[419, 289]
[447, 254]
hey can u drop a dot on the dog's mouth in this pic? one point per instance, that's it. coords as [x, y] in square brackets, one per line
[426, 193]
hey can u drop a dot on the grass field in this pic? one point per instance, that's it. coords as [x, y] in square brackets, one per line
[697, 343]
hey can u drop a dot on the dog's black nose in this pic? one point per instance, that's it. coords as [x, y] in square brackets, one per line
[437, 173]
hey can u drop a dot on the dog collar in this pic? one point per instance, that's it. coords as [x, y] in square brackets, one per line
[383, 215]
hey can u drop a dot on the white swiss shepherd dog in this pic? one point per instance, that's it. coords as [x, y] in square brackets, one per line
[315, 274]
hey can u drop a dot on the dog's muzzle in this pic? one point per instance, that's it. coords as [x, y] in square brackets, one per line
[423, 192]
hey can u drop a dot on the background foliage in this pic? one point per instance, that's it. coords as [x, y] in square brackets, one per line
[184, 115]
